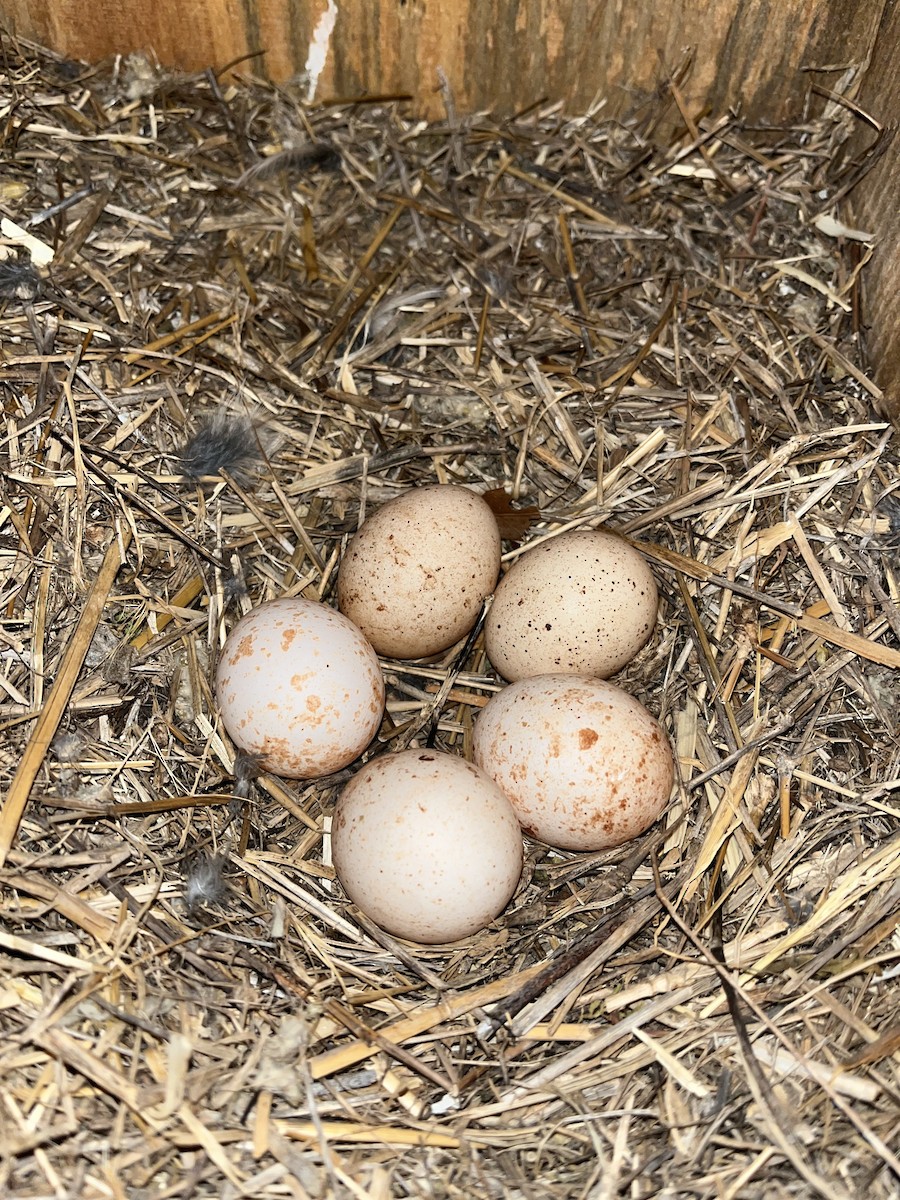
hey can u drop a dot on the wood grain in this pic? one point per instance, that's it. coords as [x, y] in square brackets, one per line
[504, 56]
[874, 206]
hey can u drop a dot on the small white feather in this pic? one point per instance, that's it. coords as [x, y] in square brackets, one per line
[832, 227]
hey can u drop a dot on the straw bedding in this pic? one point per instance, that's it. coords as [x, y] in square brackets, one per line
[262, 319]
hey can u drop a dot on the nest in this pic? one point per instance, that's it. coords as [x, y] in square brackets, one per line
[232, 324]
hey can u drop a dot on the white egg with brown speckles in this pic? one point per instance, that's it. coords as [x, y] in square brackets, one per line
[583, 603]
[426, 845]
[584, 765]
[299, 685]
[415, 575]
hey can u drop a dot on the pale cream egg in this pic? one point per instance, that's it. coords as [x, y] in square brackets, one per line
[583, 603]
[415, 575]
[584, 765]
[299, 685]
[426, 845]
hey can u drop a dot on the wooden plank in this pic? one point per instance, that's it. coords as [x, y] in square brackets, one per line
[501, 56]
[874, 208]
[182, 35]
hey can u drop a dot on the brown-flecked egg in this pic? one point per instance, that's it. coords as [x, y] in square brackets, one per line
[299, 685]
[414, 577]
[584, 765]
[426, 845]
[583, 603]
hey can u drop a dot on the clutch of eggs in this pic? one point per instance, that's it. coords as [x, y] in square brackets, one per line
[582, 603]
[299, 685]
[584, 765]
[415, 575]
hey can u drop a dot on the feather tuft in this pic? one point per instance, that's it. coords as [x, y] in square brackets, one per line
[205, 885]
[224, 441]
[18, 280]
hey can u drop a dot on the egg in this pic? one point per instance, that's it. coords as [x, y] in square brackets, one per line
[426, 845]
[415, 575]
[584, 765]
[299, 685]
[583, 603]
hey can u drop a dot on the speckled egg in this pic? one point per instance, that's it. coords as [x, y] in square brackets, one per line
[583, 603]
[299, 685]
[584, 765]
[414, 576]
[427, 845]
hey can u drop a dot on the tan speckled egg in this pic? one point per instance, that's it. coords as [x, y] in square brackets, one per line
[427, 845]
[298, 684]
[584, 765]
[583, 603]
[414, 576]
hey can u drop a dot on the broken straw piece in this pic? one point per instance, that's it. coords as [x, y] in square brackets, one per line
[40, 253]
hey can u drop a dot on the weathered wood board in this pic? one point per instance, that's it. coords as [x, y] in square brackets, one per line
[875, 205]
[502, 56]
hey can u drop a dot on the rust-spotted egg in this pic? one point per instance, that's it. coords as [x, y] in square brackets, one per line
[299, 685]
[584, 765]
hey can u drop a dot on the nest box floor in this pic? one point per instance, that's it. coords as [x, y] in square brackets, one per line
[658, 333]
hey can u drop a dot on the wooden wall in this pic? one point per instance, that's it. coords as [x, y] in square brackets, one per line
[876, 206]
[497, 54]
[503, 55]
